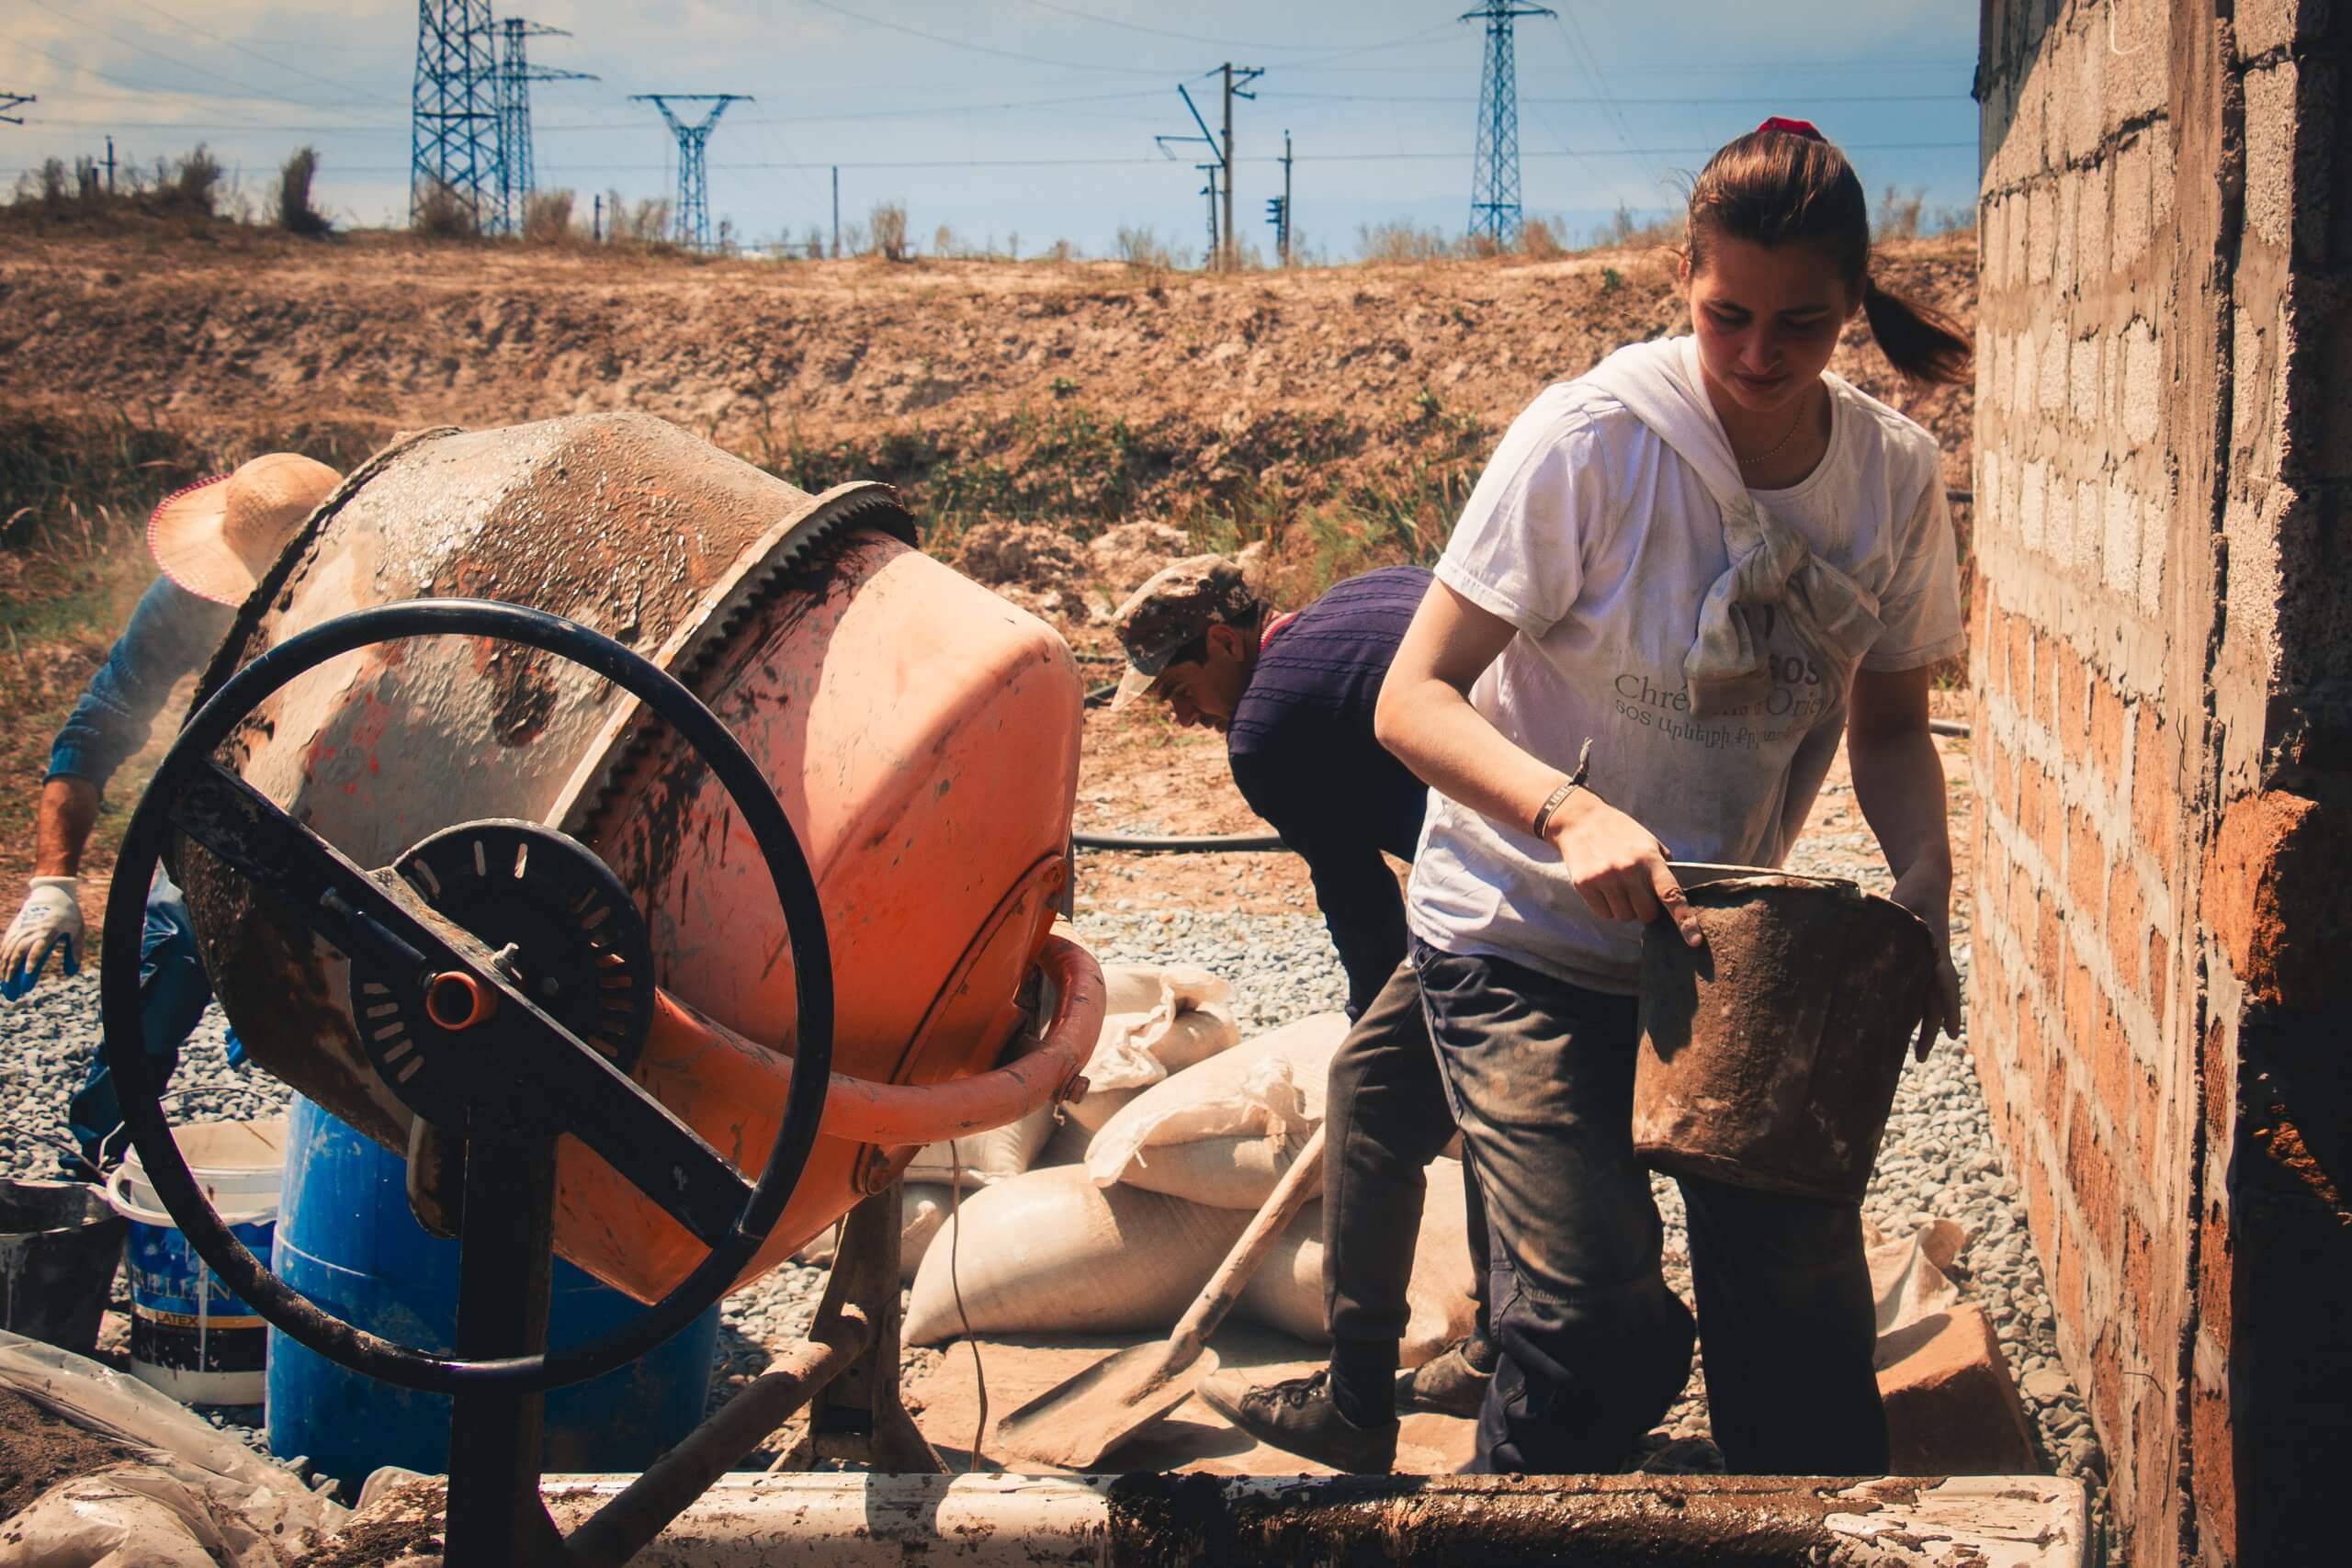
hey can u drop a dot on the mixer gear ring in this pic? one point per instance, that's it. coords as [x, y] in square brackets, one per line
[383, 925]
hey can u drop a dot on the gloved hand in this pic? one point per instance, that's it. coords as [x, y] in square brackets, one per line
[51, 919]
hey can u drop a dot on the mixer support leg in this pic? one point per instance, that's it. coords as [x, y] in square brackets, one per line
[859, 1417]
[505, 1260]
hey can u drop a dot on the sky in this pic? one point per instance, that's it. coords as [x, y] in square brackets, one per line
[1028, 118]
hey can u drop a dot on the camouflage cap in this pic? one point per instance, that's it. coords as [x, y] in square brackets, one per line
[1175, 605]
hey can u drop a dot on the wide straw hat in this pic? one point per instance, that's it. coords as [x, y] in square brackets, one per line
[215, 538]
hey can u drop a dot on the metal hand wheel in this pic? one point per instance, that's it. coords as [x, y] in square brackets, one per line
[538, 1075]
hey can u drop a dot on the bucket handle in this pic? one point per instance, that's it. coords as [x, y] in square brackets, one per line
[119, 1200]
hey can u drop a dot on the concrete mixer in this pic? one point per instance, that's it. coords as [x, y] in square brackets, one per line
[567, 805]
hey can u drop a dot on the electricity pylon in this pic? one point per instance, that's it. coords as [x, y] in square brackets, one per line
[453, 109]
[1494, 169]
[14, 101]
[693, 228]
[517, 180]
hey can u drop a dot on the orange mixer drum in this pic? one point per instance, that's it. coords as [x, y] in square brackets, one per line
[920, 732]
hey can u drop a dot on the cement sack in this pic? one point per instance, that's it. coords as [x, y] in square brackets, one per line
[1140, 988]
[977, 1160]
[1050, 1252]
[923, 1207]
[1223, 1132]
[1158, 1021]
[1908, 1273]
[1286, 1293]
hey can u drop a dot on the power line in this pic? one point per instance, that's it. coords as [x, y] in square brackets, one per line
[1163, 32]
[975, 48]
[915, 111]
[1140, 161]
[265, 59]
[1736, 98]
[1590, 64]
[83, 25]
[147, 92]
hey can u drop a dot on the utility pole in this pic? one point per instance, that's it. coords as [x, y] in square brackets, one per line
[596, 234]
[837, 212]
[1214, 256]
[1494, 169]
[693, 228]
[1289, 215]
[453, 109]
[15, 101]
[1210, 190]
[1231, 255]
[110, 166]
[517, 179]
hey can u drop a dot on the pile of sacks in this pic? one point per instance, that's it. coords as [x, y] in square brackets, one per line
[1110, 1214]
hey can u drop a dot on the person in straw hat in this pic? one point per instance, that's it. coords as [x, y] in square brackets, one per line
[213, 541]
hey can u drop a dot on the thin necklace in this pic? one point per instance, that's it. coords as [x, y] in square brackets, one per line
[1783, 441]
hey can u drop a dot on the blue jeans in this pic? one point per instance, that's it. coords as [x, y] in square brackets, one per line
[172, 993]
[1596, 1348]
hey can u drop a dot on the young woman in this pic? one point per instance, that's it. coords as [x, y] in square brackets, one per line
[1680, 578]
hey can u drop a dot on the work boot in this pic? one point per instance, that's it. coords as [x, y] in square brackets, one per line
[1450, 1382]
[1299, 1418]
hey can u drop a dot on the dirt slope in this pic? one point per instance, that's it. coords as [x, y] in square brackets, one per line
[1229, 380]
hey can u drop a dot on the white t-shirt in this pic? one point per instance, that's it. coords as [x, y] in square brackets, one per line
[1598, 542]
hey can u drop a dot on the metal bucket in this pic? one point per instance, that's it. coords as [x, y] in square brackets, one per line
[1768, 1057]
[59, 1245]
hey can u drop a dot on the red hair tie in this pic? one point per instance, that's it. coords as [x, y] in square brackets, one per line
[1803, 128]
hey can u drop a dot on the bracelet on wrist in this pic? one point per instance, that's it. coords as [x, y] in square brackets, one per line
[1559, 796]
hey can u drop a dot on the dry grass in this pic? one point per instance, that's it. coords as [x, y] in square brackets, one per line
[887, 225]
[546, 219]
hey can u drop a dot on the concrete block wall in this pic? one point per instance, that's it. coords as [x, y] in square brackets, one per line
[2162, 668]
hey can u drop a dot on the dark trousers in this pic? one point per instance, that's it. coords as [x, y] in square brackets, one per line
[172, 993]
[1385, 1116]
[1596, 1348]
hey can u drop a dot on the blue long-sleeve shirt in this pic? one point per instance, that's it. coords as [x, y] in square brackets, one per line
[1306, 759]
[171, 632]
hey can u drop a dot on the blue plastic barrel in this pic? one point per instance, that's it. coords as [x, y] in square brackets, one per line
[345, 1239]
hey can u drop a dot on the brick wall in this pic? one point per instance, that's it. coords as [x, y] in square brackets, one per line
[2162, 644]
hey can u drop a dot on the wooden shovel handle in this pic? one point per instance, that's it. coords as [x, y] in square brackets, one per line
[1298, 1186]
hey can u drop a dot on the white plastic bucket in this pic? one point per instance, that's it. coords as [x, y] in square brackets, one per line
[190, 1336]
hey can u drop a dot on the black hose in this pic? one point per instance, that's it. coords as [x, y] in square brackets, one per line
[1206, 843]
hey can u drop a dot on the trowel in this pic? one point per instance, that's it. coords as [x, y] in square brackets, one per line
[1081, 1420]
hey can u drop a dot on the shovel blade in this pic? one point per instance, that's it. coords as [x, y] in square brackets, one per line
[1078, 1420]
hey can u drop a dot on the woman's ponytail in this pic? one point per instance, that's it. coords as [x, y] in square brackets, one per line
[1785, 183]
[1920, 341]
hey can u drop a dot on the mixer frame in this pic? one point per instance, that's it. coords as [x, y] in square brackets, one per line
[501, 1368]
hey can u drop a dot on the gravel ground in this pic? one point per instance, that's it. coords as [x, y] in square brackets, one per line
[1938, 1160]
